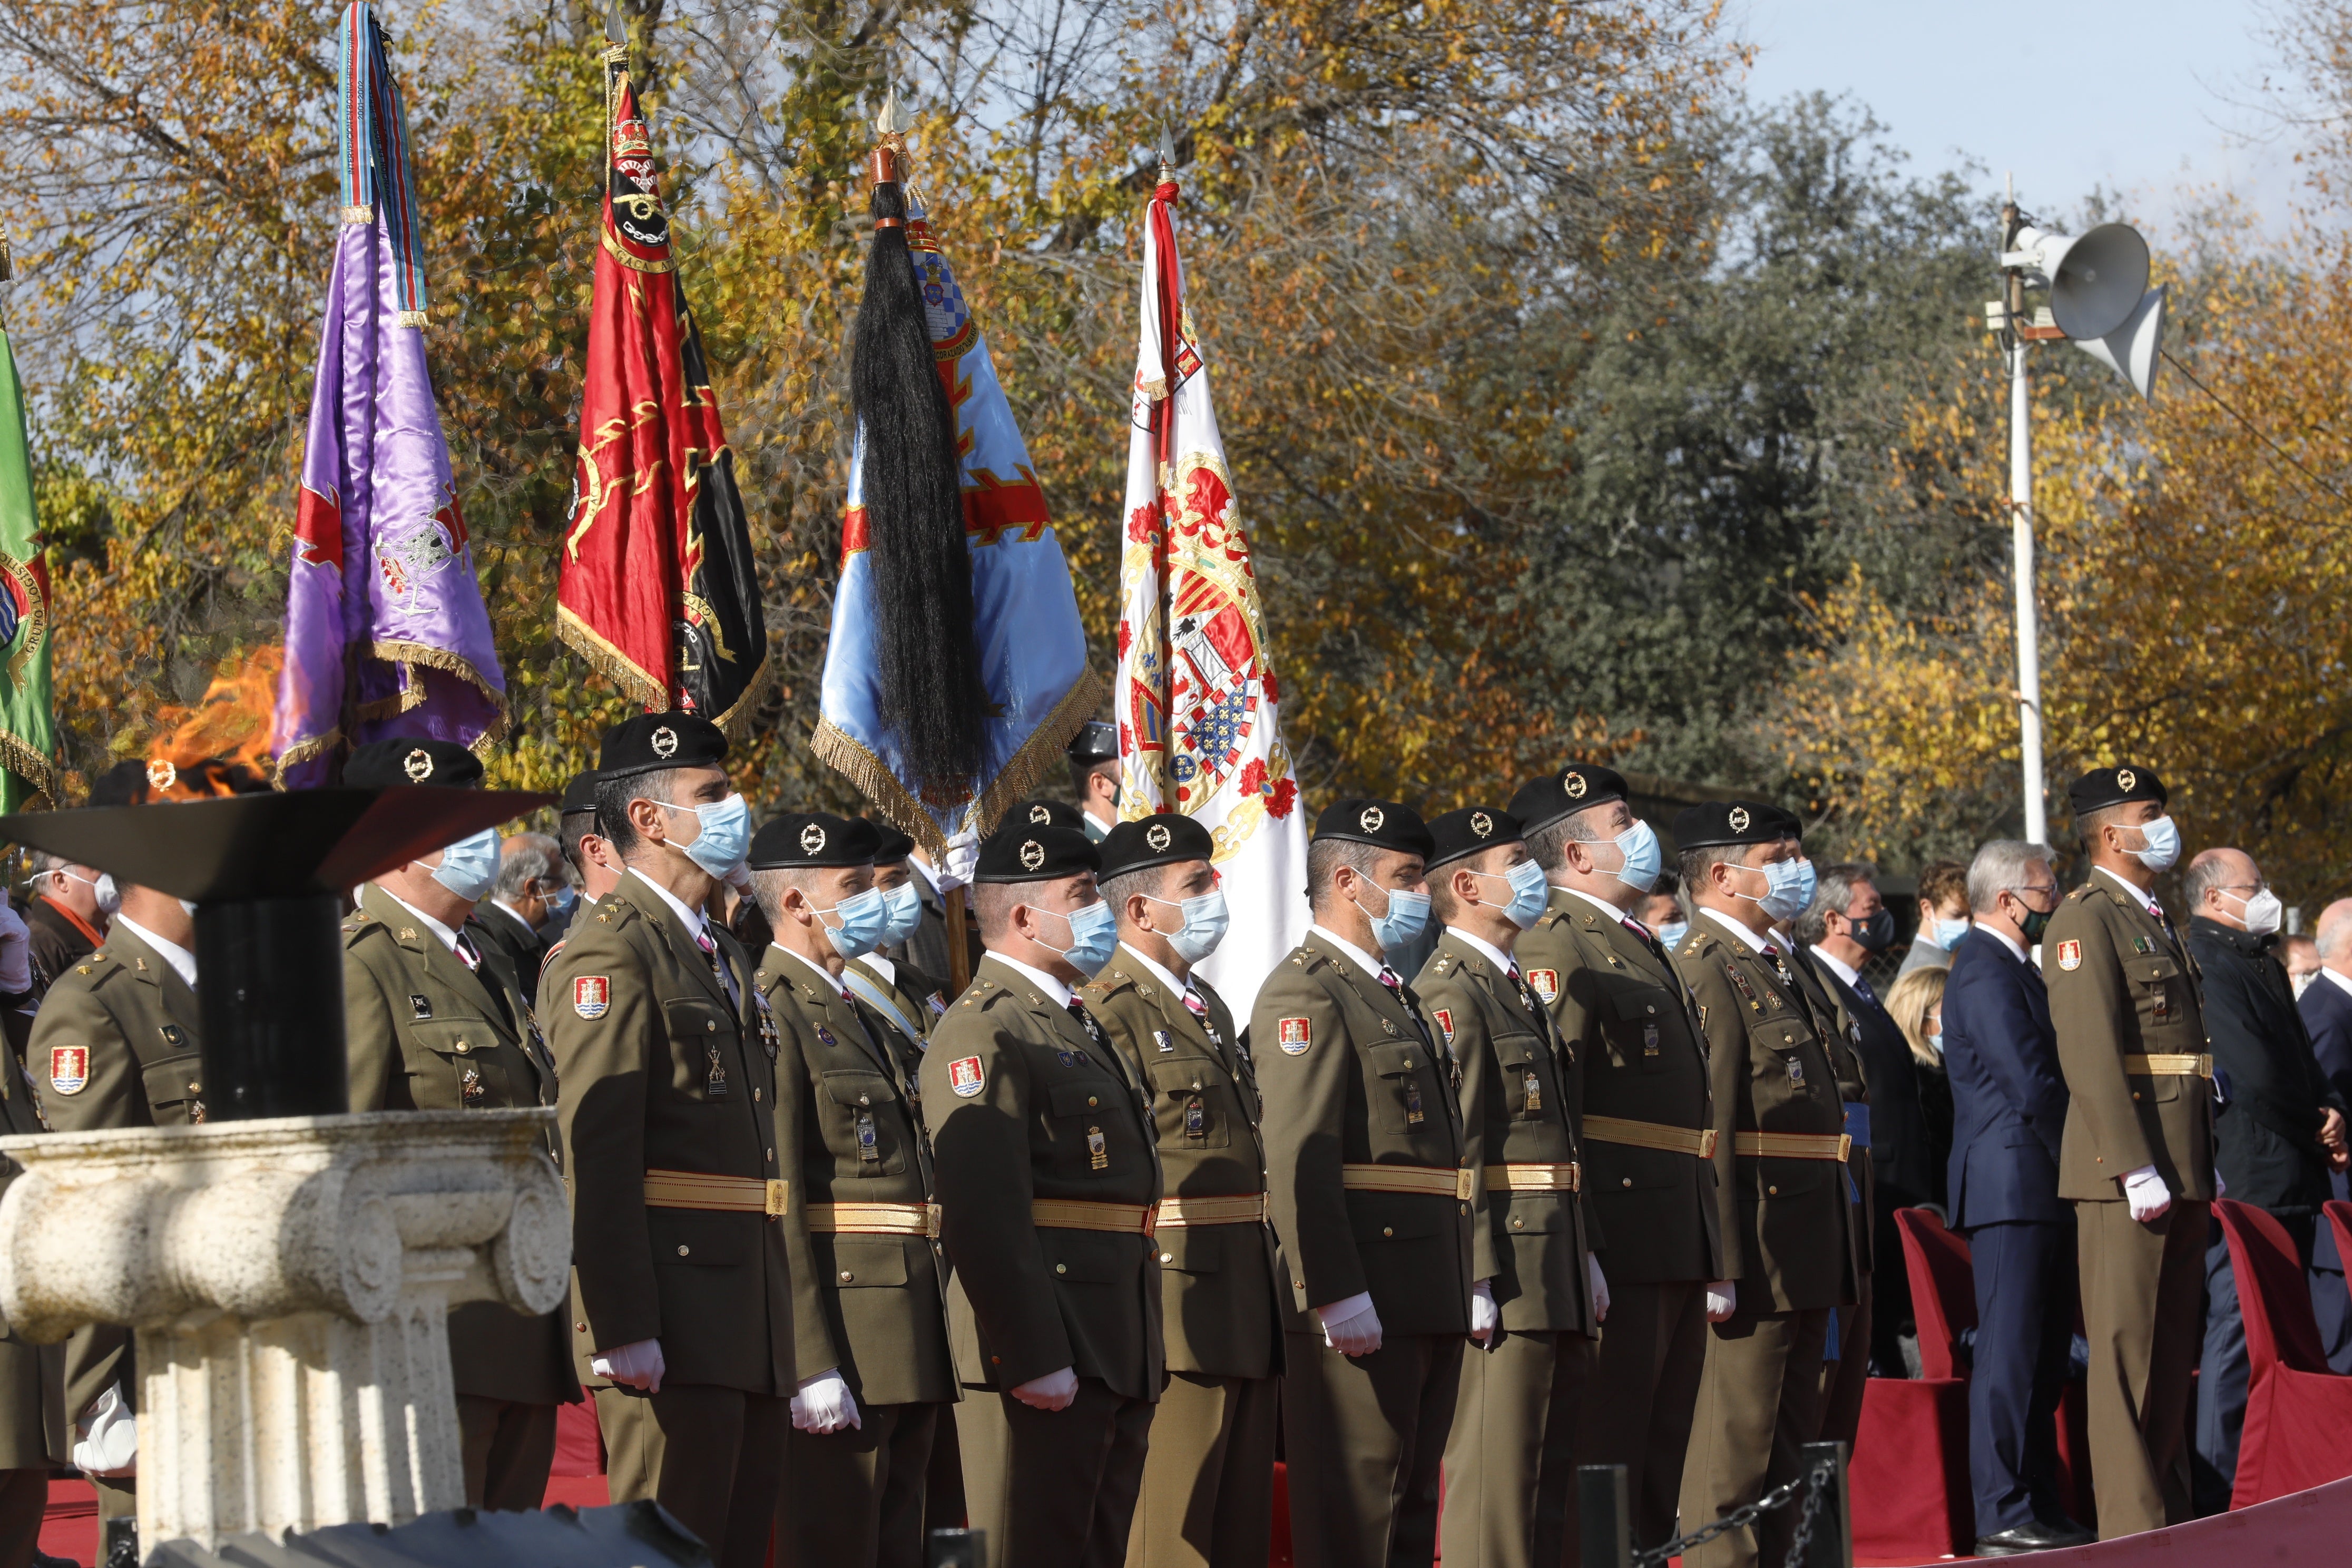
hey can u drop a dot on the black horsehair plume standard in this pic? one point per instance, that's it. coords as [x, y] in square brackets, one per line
[931, 691]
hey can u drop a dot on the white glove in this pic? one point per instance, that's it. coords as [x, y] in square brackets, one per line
[1600, 1289]
[739, 878]
[1350, 1326]
[1055, 1391]
[15, 949]
[1485, 1316]
[955, 868]
[2147, 1194]
[1722, 1300]
[638, 1365]
[106, 1439]
[825, 1405]
[2221, 1187]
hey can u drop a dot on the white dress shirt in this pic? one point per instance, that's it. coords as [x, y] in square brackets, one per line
[181, 960]
[1364, 961]
[1056, 992]
[1753, 942]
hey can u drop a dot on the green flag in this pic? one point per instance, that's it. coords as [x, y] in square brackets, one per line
[29, 733]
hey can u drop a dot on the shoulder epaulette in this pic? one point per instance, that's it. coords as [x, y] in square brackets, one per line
[980, 990]
[1444, 962]
[1308, 959]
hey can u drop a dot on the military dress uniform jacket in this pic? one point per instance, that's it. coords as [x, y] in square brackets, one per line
[34, 1431]
[1040, 1136]
[425, 1033]
[1621, 1009]
[1842, 1037]
[867, 1282]
[2131, 1041]
[919, 1000]
[1367, 1173]
[1219, 1312]
[665, 1107]
[1785, 1218]
[1519, 1117]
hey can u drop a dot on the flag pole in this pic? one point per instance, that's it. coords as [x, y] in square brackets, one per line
[959, 945]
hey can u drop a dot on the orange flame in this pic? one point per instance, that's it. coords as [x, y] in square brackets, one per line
[223, 744]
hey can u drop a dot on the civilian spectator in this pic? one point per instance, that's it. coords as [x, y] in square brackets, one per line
[528, 906]
[2326, 1010]
[1915, 1003]
[2009, 1113]
[67, 912]
[2301, 956]
[2278, 1131]
[1943, 916]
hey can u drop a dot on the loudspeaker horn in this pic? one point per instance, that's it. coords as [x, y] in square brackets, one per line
[2131, 350]
[2096, 283]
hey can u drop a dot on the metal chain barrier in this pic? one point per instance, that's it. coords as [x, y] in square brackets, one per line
[1820, 1480]
[1813, 1483]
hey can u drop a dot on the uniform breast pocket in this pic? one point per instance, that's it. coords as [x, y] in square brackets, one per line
[1403, 1091]
[173, 1085]
[2157, 992]
[1635, 1027]
[1782, 1072]
[701, 1041]
[458, 1069]
[1191, 1104]
[1527, 1085]
[860, 1129]
[1086, 1127]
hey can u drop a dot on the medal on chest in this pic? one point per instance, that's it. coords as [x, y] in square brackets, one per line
[1747, 992]
[1649, 1039]
[1412, 1112]
[868, 1147]
[1196, 1120]
[1531, 1087]
[470, 1086]
[1097, 1149]
[1164, 1040]
[714, 1082]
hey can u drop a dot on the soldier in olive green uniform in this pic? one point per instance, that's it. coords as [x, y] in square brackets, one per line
[1208, 1483]
[2136, 1160]
[1048, 1179]
[34, 1432]
[435, 1020]
[1371, 1190]
[1785, 1218]
[1510, 1464]
[1624, 1016]
[682, 1310]
[867, 1272]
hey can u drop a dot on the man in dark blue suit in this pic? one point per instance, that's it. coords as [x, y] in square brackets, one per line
[2009, 1108]
[2326, 1010]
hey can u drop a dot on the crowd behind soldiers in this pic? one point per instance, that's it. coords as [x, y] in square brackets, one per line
[1074, 1253]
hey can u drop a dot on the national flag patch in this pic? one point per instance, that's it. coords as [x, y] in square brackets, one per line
[967, 1077]
[591, 996]
[1293, 1035]
[1545, 981]
[69, 1068]
[1444, 1016]
[2070, 954]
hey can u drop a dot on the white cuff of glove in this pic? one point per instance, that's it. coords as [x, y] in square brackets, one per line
[105, 1440]
[2147, 1194]
[1055, 1391]
[1599, 1288]
[637, 1365]
[1485, 1316]
[956, 866]
[1722, 1300]
[825, 1405]
[1350, 1326]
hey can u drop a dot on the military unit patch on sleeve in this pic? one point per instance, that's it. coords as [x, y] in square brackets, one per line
[590, 994]
[967, 1077]
[2070, 954]
[69, 1068]
[1293, 1035]
[1444, 1016]
[1545, 981]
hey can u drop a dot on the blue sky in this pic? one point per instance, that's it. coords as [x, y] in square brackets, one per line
[2148, 99]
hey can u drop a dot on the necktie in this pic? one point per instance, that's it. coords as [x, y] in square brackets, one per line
[1536, 1009]
[465, 953]
[1862, 989]
[1086, 1021]
[1407, 1000]
[718, 965]
[1200, 1010]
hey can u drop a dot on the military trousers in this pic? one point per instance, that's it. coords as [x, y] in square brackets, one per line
[1642, 1390]
[1511, 1461]
[1846, 1380]
[1758, 1402]
[507, 1447]
[1053, 1488]
[856, 1496]
[1364, 1443]
[943, 1486]
[713, 1457]
[1208, 1482]
[24, 1499]
[2141, 1284]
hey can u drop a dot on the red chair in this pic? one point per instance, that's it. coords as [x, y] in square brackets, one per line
[1910, 1472]
[2298, 1431]
[2339, 1216]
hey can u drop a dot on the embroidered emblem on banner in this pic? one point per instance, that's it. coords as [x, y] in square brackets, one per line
[1545, 982]
[69, 1068]
[2070, 954]
[967, 1077]
[591, 996]
[1293, 1035]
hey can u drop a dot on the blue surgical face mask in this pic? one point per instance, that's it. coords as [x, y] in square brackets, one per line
[725, 836]
[1205, 925]
[1529, 892]
[2159, 844]
[1672, 932]
[1401, 920]
[469, 868]
[559, 903]
[1788, 888]
[1643, 860]
[1093, 932]
[905, 912]
[864, 918]
[1949, 933]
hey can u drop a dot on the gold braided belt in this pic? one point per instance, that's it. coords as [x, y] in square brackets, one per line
[1076, 1213]
[1694, 1140]
[874, 1220]
[1426, 1181]
[1793, 1145]
[1535, 1177]
[2170, 1067]
[1241, 1208]
[732, 1194]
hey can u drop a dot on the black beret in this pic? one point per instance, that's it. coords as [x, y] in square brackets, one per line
[1469, 830]
[1544, 801]
[1728, 822]
[1046, 813]
[1380, 822]
[1787, 822]
[2103, 787]
[1160, 840]
[889, 844]
[651, 740]
[1018, 852]
[380, 764]
[580, 795]
[804, 839]
[1095, 741]
[136, 782]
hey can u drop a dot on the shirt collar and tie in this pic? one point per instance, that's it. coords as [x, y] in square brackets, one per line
[832, 982]
[697, 925]
[455, 941]
[1182, 990]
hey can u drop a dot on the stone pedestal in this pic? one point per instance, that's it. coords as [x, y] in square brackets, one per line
[291, 1282]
